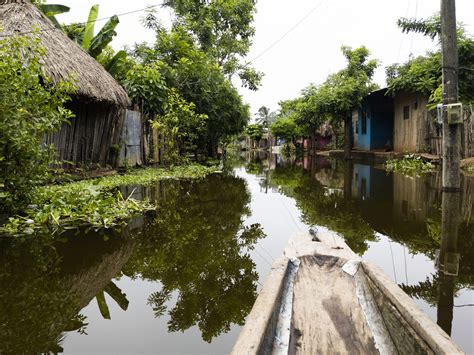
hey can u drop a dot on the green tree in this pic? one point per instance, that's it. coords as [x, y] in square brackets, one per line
[255, 131]
[224, 31]
[31, 106]
[95, 45]
[147, 88]
[199, 80]
[265, 117]
[286, 128]
[343, 91]
[424, 74]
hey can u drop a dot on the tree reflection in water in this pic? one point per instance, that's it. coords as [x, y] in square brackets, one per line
[357, 201]
[198, 246]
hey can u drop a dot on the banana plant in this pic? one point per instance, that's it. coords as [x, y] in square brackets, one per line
[51, 10]
[83, 33]
[116, 294]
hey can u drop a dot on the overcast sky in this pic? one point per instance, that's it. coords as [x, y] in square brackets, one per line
[309, 52]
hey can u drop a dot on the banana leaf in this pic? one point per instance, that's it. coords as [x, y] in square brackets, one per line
[104, 37]
[114, 64]
[51, 10]
[104, 309]
[90, 25]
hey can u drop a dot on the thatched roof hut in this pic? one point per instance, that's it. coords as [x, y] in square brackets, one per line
[64, 58]
[100, 101]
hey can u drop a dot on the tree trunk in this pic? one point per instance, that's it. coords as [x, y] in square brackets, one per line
[347, 137]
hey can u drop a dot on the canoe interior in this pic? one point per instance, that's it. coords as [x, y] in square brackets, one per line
[339, 305]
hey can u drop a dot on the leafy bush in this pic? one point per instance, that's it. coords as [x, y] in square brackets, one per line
[30, 107]
[410, 164]
[97, 203]
[181, 126]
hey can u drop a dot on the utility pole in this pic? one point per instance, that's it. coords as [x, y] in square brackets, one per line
[451, 132]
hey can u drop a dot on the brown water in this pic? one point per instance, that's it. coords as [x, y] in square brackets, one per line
[183, 281]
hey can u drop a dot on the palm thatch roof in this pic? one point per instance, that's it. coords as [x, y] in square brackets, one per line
[64, 58]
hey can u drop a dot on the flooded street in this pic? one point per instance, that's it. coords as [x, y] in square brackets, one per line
[183, 281]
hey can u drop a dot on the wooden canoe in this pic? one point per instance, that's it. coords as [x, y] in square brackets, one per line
[321, 298]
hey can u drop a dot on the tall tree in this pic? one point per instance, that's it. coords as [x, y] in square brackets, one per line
[265, 116]
[182, 65]
[224, 30]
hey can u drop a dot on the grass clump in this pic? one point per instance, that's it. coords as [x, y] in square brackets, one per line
[410, 164]
[97, 203]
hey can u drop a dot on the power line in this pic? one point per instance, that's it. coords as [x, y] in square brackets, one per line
[403, 36]
[285, 34]
[52, 28]
[413, 34]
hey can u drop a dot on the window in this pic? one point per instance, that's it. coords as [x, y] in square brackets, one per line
[357, 126]
[406, 112]
[364, 122]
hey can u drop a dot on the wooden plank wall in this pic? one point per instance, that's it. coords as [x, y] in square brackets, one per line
[468, 135]
[409, 135]
[421, 133]
[467, 199]
[92, 137]
[415, 199]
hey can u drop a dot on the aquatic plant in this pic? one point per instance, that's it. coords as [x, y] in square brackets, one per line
[97, 203]
[410, 164]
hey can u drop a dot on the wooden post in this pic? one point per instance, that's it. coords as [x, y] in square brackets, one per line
[451, 133]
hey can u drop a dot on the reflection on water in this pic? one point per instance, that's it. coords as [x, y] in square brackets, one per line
[368, 206]
[195, 250]
[198, 247]
[44, 285]
[194, 266]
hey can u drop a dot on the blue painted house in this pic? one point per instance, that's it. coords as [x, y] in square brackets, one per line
[373, 122]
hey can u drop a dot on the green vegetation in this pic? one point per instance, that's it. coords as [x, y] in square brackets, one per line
[286, 128]
[423, 74]
[182, 126]
[31, 106]
[195, 60]
[96, 203]
[410, 164]
[255, 131]
[343, 91]
[182, 84]
[224, 31]
[176, 63]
